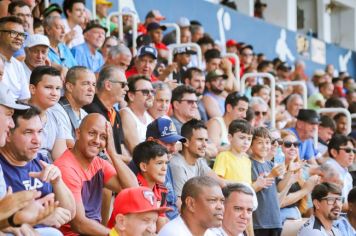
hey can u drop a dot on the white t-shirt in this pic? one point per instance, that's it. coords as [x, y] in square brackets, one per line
[78, 38]
[15, 78]
[219, 232]
[27, 70]
[177, 227]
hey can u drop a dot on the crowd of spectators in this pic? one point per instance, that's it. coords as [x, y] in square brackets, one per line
[100, 138]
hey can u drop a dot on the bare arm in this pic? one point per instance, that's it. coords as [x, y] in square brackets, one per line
[211, 106]
[130, 131]
[59, 147]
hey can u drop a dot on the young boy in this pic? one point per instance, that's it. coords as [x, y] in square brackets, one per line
[266, 219]
[235, 164]
[151, 159]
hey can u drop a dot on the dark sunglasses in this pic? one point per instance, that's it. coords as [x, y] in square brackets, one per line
[257, 113]
[277, 140]
[190, 102]
[289, 144]
[145, 92]
[123, 83]
[348, 150]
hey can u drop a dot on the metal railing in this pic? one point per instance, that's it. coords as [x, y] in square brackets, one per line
[121, 28]
[335, 110]
[93, 6]
[298, 83]
[237, 65]
[273, 92]
[176, 27]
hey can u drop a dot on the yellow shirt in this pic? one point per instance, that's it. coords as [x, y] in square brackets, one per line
[231, 167]
[113, 232]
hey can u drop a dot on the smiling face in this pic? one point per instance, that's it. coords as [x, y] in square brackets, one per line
[197, 143]
[36, 56]
[83, 89]
[47, 92]
[292, 152]
[95, 37]
[6, 123]
[260, 147]
[8, 40]
[155, 170]
[161, 103]
[344, 156]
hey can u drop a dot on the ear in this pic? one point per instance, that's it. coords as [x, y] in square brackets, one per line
[186, 81]
[174, 104]
[107, 85]
[130, 95]
[316, 204]
[333, 153]
[186, 143]
[229, 136]
[228, 108]
[32, 89]
[69, 87]
[190, 203]
[143, 166]
[120, 222]
[77, 133]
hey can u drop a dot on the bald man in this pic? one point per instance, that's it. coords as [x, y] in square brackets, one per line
[86, 174]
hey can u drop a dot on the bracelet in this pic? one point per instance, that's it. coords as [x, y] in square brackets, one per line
[11, 222]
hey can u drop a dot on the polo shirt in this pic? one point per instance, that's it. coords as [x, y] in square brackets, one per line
[64, 57]
[15, 78]
[85, 184]
[84, 57]
[313, 227]
[98, 107]
[306, 148]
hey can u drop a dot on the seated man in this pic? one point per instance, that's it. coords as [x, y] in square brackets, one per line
[86, 174]
[346, 223]
[202, 208]
[26, 169]
[135, 212]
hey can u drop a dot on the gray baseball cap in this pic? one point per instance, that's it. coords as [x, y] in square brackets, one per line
[7, 99]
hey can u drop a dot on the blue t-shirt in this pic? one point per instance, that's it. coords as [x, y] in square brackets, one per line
[84, 57]
[306, 148]
[64, 58]
[17, 176]
[2, 184]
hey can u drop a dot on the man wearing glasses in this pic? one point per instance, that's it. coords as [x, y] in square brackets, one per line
[342, 152]
[327, 203]
[12, 37]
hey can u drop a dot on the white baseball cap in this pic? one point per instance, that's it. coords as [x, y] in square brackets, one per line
[36, 39]
[7, 99]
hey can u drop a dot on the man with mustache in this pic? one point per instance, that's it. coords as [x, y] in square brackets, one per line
[327, 203]
[202, 208]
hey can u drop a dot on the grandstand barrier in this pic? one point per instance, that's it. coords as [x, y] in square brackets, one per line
[120, 27]
[353, 116]
[237, 66]
[335, 110]
[93, 9]
[273, 92]
[46, 3]
[297, 83]
[176, 27]
[171, 48]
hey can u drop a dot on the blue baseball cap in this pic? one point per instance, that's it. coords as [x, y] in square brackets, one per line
[147, 50]
[163, 129]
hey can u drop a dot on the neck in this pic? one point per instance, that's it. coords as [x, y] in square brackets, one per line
[7, 53]
[53, 43]
[83, 161]
[227, 120]
[149, 181]
[106, 100]
[258, 158]
[139, 111]
[194, 227]
[235, 151]
[325, 222]
[180, 117]
[352, 219]
[91, 48]
[75, 106]
[28, 65]
[34, 102]
[301, 135]
[229, 232]
[189, 157]
[71, 23]
[10, 157]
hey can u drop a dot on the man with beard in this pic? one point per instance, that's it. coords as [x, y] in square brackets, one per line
[194, 77]
[135, 117]
[202, 208]
[327, 202]
[214, 98]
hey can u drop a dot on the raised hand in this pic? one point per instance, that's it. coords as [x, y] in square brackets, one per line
[50, 173]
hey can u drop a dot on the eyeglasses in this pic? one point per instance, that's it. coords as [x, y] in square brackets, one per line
[278, 141]
[123, 83]
[247, 54]
[258, 113]
[289, 144]
[145, 92]
[190, 102]
[333, 200]
[15, 34]
[348, 150]
[20, 15]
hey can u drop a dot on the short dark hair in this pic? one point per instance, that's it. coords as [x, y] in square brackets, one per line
[256, 89]
[27, 114]
[132, 80]
[351, 198]
[212, 54]
[193, 187]
[178, 92]
[337, 141]
[8, 19]
[321, 190]
[327, 122]
[146, 151]
[73, 72]
[188, 127]
[37, 23]
[240, 125]
[236, 187]
[40, 71]
[234, 98]
[14, 4]
[338, 116]
[68, 5]
[263, 64]
[205, 40]
[261, 132]
[334, 102]
[189, 73]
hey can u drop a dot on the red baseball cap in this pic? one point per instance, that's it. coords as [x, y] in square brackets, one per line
[231, 43]
[135, 200]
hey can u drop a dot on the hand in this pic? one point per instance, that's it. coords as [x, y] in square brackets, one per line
[68, 37]
[172, 84]
[24, 230]
[50, 173]
[295, 166]
[171, 68]
[278, 170]
[36, 211]
[263, 181]
[59, 217]
[311, 183]
[226, 65]
[110, 144]
[63, 72]
[13, 202]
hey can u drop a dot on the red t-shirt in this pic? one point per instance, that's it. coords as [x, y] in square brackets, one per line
[133, 71]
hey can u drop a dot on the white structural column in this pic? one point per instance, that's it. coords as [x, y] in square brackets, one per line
[324, 23]
[245, 6]
[348, 28]
[282, 13]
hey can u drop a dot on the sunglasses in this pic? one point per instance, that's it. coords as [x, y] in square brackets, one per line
[277, 140]
[190, 102]
[123, 83]
[348, 150]
[257, 113]
[289, 144]
[145, 92]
